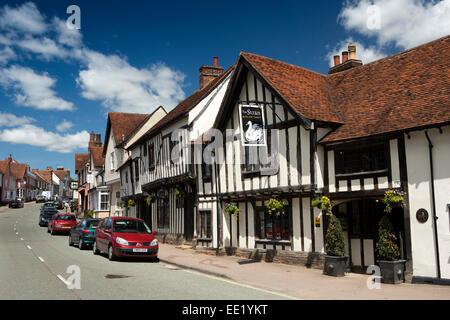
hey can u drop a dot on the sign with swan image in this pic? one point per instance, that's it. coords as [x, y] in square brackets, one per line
[253, 125]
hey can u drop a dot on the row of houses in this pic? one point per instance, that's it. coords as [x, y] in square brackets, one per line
[266, 129]
[17, 180]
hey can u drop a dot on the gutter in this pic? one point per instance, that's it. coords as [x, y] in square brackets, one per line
[433, 198]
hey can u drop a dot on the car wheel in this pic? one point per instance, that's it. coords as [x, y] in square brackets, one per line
[80, 244]
[48, 230]
[94, 248]
[111, 255]
[70, 241]
[52, 232]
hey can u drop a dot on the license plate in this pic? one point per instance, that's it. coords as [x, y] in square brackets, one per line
[139, 250]
[67, 227]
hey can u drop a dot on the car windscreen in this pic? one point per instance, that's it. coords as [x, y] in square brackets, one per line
[130, 226]
[66, 218]
[92, 223]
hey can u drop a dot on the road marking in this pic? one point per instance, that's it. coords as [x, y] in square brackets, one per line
[28, 247]
[21, 239]
[41, 259]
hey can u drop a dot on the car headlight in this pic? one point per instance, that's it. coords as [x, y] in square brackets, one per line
[154, 243]
[121, 241]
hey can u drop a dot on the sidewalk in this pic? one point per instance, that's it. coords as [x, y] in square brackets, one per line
[296, 281]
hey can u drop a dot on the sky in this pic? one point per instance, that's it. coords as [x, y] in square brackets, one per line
[57, 83]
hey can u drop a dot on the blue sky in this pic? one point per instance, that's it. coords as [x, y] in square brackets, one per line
[57, 85]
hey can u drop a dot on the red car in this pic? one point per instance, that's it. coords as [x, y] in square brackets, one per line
[61, 223]
[125, 237]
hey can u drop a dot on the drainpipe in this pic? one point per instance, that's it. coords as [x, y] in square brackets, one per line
[217, 205]
[430, 148]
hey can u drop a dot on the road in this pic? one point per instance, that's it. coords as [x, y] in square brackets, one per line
[33, 265]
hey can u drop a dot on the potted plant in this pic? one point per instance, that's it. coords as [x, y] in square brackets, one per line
[123, 205]
[131, 203]
[388, 253]
[232, 209]
[276, 207]
[335, 258]
[392, 199]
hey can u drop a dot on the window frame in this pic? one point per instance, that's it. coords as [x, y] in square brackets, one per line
[205, 225]
[285, 221]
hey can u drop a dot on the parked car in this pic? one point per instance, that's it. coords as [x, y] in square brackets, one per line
[83, 233]
[125, 237]
[40, 198]
[59, 205]
[16, 203]
[61, 223]
[46, 215]
[48, 205]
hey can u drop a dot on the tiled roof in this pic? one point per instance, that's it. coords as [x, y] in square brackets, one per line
[4, 165]
[306, 91]
[46, 175]
[80, 160]
[185, 106]
[61, 173]
[18, 169]
[123, 124]
[97, 155]
[407, 90]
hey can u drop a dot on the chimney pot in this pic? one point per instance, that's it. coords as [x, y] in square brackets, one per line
[215, 61]
[352, 51]
[92, 136]
[344, 56]
[337, 60]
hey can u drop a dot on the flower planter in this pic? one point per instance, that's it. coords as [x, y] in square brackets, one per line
[392, 271]
[335, 266]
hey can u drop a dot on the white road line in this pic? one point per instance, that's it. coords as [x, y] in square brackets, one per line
[41, 259]
[28, 247]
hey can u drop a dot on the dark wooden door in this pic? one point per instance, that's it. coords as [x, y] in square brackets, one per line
[189, 217]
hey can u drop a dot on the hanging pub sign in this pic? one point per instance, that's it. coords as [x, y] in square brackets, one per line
[252, 125]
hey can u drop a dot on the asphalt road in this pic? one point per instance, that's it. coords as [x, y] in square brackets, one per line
[34, 265]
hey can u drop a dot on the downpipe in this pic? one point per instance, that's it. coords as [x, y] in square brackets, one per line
[433, 199]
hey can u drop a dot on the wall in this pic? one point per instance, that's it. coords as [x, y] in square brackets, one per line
[420, 196]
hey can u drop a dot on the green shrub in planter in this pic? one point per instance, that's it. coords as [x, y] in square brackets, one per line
[386, 247]
[388, 253]
[150, 199]
[334, 238]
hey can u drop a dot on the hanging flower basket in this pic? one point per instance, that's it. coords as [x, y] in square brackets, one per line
[123, 205]
[131, 203]
[232, 209]
[180, 193]
[323, 203]
[392, 199]
[276, 207]
[150, 199]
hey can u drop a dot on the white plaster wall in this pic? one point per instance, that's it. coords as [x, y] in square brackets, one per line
[419, 185]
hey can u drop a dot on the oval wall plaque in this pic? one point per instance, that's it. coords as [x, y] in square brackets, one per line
[422, 215]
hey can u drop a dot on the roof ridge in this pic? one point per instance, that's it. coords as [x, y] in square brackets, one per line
[394, 55]
[283, 62]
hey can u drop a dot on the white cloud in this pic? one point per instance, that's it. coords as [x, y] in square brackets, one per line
[32, 89]
[7, 54]
[66, 36]
[36, 136]
[43, 46]
[24, 18]
[64, 126]
[364, 53]
[11, 120]
[122, 87]
[405, 23]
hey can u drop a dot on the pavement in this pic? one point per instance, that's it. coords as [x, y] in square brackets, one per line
[296, 281]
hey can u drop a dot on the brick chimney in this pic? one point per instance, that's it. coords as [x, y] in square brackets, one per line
[348, 60]
[209, 73]
[95, 140]
[49, 168]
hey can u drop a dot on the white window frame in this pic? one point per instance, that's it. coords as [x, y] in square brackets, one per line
[112, 161]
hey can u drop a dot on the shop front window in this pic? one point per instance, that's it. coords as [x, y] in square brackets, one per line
[272, 227]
